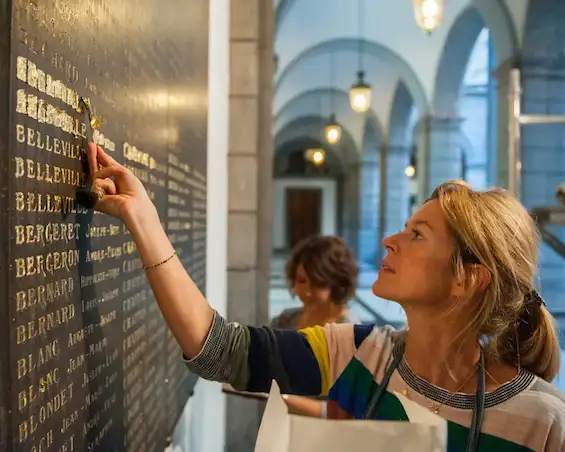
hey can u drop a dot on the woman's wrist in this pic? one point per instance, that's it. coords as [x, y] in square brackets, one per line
[148, 234]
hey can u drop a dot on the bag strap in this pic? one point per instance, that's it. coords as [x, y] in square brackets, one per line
[276, 365]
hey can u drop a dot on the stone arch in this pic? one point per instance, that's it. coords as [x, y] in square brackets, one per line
[281, 11]
[371, 48]
[342, 97]
[459, 44]
[333, 159]
[311, 126]
[401, 118]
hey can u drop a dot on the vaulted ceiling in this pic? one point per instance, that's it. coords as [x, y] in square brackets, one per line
[318, 44]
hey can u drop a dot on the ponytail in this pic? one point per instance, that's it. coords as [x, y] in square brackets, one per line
[531, 342]
[539, 352]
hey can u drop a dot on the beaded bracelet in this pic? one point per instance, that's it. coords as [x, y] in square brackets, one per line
[147, 267]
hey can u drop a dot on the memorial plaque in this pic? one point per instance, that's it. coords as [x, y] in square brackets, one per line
[86, 360]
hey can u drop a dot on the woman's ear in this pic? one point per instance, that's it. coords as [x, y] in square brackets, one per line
[481, 276]
[476, 278]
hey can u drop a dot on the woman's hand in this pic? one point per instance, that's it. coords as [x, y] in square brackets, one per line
[124, 196]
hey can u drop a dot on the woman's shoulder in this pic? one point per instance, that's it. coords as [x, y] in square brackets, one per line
[547, 397]
[369, 344]
[541, 405]
[286, 319]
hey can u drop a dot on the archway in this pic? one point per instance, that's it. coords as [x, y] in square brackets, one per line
[543, 155]
[371, 49]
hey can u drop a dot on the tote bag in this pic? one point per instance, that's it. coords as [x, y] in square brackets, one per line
[284, 432]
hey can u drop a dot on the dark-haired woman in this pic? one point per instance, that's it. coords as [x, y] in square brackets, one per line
[322, 273]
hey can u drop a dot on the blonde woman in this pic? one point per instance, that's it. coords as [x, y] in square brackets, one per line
[480, 349]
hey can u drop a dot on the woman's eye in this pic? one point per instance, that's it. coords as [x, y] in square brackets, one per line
[416, 235]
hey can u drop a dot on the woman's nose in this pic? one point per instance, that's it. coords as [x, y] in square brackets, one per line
[391, 243]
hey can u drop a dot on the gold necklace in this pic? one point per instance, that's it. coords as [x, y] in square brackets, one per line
[435, 406]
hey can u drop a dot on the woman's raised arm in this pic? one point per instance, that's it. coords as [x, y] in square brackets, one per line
[213, 348]
[123, 196]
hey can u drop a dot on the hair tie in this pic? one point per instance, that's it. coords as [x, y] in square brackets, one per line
[533, 298]
[530, 317]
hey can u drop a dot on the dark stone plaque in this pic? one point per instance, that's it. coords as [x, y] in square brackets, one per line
[86, 360]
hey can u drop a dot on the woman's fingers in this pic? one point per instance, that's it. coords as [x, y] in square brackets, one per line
[109, 171]
[104, 159]
[92, 158]
[107, 185]
[97, 157]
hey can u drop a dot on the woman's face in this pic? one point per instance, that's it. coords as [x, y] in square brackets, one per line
[306, 291]
[417, 267]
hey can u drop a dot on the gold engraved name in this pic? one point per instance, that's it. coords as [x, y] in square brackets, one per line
[176, 199]
[46, 264]
[80, 335]
[44, 172]
[141, 174]
[109, 252]
[37, 359]
[108, 318]
[107, 296]
[134, 320]
[91, 375]
[28, 72]
[176, 187]
[69, 421]
[86, 281]
[135, 355]
[44, 294]
[46, 234]
[30, 395]
[45, 113]
[93, 445]
[90, 424]
[34, 138]
[133, 283]
[76, 363]
[134, 302]
[47, 203]
[133, 375]
[46, 412]
[135, 155]
[45, 323]
[132, 265]
[98, 347]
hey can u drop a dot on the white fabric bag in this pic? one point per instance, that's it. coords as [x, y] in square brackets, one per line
[284, 432]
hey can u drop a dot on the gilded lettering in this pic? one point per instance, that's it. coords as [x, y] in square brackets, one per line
[29, 395]
[41, 325]
[47, 264]
[45, 413]
[47, 203]
[21, 68]
[21, 101]
[36, 360]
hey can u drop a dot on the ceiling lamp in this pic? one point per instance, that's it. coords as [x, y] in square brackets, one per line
[429, 14]
[410, 171]
[317, 156]
[360, 94]
[332, 130]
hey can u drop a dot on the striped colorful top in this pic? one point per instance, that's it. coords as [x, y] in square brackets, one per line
[346, 362]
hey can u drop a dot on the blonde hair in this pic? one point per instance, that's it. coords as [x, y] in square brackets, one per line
[493, 229]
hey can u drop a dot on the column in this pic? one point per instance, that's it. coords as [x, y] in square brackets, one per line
[543, 163]
[249, 189]
[369, 210]
[439, 153]
[397, 189]
[350, 206]
[445, 158]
